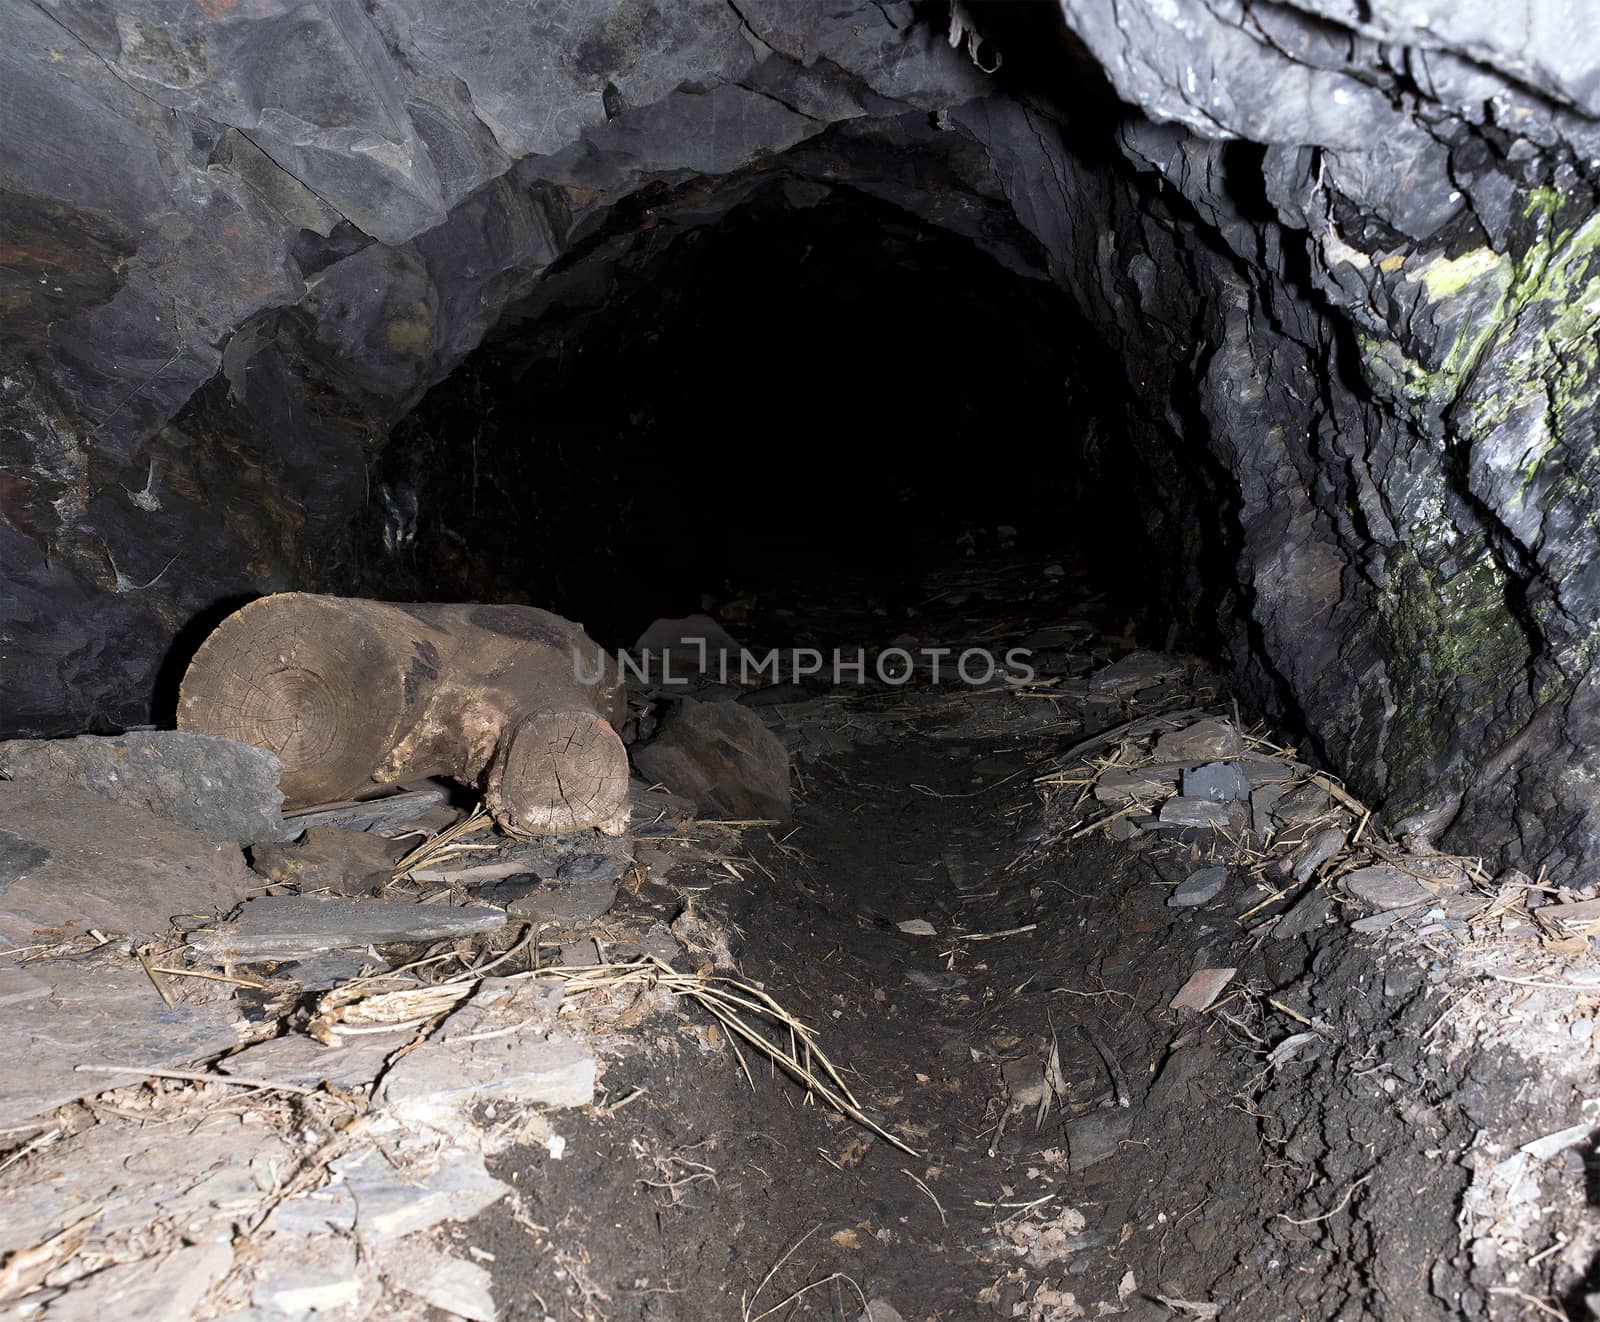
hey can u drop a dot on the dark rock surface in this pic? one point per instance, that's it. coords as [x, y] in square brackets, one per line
[721, 756]
[1346, 254]
[294, 926]
[332, 859]
[218, 787]
[71, 861]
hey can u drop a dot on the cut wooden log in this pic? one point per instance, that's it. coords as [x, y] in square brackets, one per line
[351, 693]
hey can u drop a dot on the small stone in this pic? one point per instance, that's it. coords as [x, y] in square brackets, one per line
[526, 1068]
[580, 955]
[723, 757]
[80, 861]
[565, 905]
[593, 867]
[301, 1060]
[1182, 811]
[457, 1288]
[391, 1203]
[331, 858]
[1305, 804]
[1382, 922]
[1137, 670]
[658, 943]
[917, 927]
[1097, 1136]
[1198, 888]
[219, 788]
[1386, 888]
[1222, 782]
[656, 861]
[330, 969]
[495, 860]
[1322, 846]
[1268, 770]
[333, 1207]
[504, 894]
[1210, 740]
[1024, 1080]
[278, 927]
[879, 1310]
[384, 815]
[1201, 989]
[1308, 913]
[167, 1288]
[1262, 802]
[309, 1291]
[1121, 784]
[100, 1010]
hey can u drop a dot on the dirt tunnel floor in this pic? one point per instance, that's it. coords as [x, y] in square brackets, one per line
[1299, 1149]
[1123, 1044]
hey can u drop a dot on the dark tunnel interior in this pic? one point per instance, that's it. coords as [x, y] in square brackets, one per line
[793, 396]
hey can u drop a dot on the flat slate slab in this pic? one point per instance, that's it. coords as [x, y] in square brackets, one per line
[1182, 811]
[565, 904]
[1200, 887]
[71, 861]
[218, 787]
[300, 1060]
[383, 814]
[1208, 740]
[97, 1010]
[293, 926]
[391, 1203]
[1387, 888]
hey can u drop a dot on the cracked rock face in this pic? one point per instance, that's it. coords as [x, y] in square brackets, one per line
[1346, 254]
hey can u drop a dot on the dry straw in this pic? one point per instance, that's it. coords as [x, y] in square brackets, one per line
[749, 1016]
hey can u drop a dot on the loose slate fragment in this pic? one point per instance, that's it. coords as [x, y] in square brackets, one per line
[1200, 887]
[565, 905]
[99, 1010]
[1209, 740]
[1222, 782]
[385, 814]
[390, 1204]
[1386, 888]
[1202, 989]
[284, 927]
[1182, 811]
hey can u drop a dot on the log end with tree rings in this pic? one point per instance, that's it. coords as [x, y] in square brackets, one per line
[559, 772]
[296, 674]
